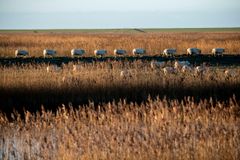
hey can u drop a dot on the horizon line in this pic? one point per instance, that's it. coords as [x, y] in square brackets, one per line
[124, 28]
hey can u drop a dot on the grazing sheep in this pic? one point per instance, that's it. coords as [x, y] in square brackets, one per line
[186, 68]
[138, 51]
[122, 74]
[77, 52]
[119, 52]
[199, 70]
[169, 52]
[230, 73]
[21, 53]
[53, 68]
[76, 67]
[218, 51]
[100, 52]
[125, 74]
[180, 64]
[49, 52]
[169, 70]
[194, 51]
[156, 64]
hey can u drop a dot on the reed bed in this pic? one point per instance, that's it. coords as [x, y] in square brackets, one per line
[157, 129]
[30, 86]
[118, 110]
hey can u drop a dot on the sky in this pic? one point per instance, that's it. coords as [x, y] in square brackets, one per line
[94, 14]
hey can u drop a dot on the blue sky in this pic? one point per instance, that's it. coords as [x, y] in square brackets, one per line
[68, 14]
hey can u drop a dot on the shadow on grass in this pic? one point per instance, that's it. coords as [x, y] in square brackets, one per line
[21, 99]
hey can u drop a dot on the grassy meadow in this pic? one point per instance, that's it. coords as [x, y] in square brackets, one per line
[119, 109]
[154, 41]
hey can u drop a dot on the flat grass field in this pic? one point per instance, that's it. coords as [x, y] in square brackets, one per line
[153, 40]
[146, 107]
[130, 30]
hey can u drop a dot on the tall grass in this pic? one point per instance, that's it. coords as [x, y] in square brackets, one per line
[117, 110]
[31, 86]
[157, 129]
[154, 43]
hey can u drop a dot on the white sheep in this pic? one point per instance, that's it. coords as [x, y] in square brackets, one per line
[100, 52]
[194, 51]
[77, 52]
[156, 64]
[169, 70]
[53, 68]
[186, 68]
[119, 52]
[125, 74]
[49, 52]
[218, 51]
[230, 73]
[138, 51]
[76, 67]
[122, 74]
[199, 70]
[21, 53]
[169, 51]
[180, 64]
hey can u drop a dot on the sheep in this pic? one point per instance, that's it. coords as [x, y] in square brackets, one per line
[122, 74]
[138, 51]
[199, 70]
[53, 68]
[186, 68]
[218, 51]
[100, 52]
[67, 79]
[125, 74]
[194, 51]
[21, 53]
[156, 64]
[169, 52]
[76, 67]
[49, 52]
[119, 52]
[230, 73]
[77, 52]
[180, 64]
[169, 70]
